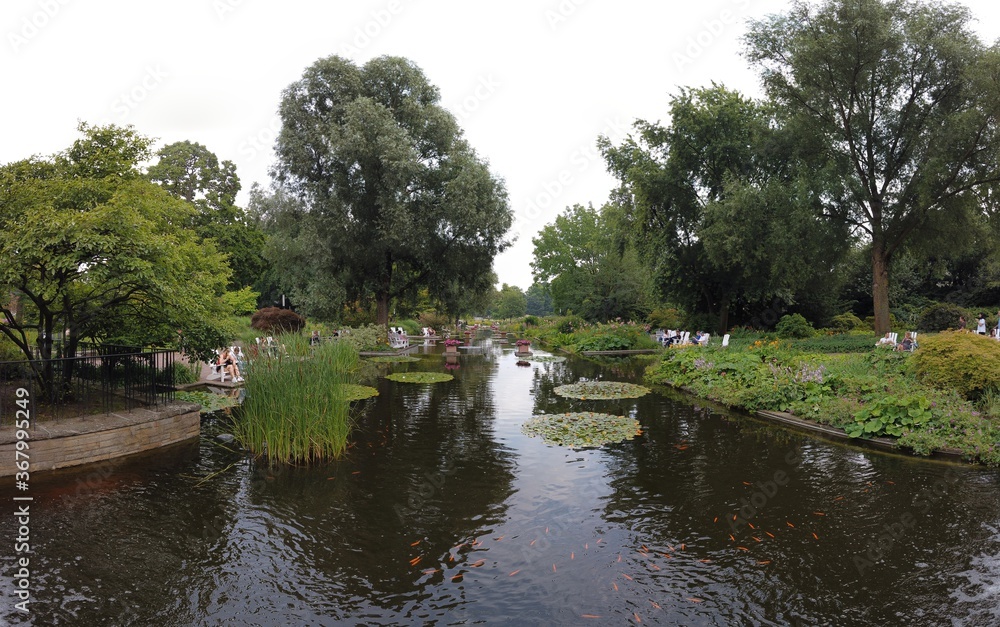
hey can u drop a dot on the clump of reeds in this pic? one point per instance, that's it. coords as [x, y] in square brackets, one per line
[296, 408]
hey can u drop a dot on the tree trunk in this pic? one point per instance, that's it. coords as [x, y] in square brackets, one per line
[723, 316]
[382, 313]
[880, 288]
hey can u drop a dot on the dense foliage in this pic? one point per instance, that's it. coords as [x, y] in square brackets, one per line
[867, 394]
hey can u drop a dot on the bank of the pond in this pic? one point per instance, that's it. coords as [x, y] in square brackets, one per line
[874, 399]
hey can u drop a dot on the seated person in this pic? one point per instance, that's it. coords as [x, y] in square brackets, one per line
[696, 338]
[885, 340]
[228, 362]
[907, 344]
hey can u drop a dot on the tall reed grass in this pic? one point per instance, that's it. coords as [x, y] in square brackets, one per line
[296, 409]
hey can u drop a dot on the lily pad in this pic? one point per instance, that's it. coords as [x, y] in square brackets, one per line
[209, 402]
[394, 359]
[419, 377]
[601, 390]
[581, 429]
[546, 359]
[356, 392]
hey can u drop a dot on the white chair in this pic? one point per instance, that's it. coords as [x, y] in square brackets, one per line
[704, 339]
[685, 336]
[725, 340]
[217, 371]
[894, 337]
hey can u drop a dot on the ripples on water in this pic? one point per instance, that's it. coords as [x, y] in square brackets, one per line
[444, 513]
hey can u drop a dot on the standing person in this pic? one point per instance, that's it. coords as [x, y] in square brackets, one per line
[314, 340]
[961, 323]
[981, 325]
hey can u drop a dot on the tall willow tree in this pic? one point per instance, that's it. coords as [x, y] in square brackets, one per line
[400, 200]
[904, 99]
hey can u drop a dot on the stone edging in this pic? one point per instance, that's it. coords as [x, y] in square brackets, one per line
[96, 438]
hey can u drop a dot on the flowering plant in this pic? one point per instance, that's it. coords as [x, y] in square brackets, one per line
[452, 342]
[523, 342]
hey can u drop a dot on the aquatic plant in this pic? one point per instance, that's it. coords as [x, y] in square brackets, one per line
[419, 377]
[297, 404]
[393, 359]
[601, 390]
[581, 429]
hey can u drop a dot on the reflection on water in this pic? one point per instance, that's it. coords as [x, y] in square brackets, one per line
[444, 513]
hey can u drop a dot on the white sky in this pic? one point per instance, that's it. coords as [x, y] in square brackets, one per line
[533, 83]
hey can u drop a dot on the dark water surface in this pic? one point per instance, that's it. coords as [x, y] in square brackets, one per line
[443, 513]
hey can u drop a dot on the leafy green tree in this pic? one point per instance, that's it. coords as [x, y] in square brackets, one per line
[539, 300]
[720, 206]
[192, 172]
[510, 302]
[93, 250]
[901, 99]
[588, 272]
[398, 198]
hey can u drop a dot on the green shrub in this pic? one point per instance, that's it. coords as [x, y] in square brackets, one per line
[842, 343]
[894, 322]
[954, 360]
[794, 326]
[570, 324]
[846, 322]
[242, 302]
[666, 318]
[365, 338]
[942, 316]
[184, 373]
[890, 415]
[531, 321]
[412, 327]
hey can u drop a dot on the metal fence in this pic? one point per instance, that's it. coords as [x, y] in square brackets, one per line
[99, 380]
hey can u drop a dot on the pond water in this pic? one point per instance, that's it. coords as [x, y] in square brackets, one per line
[443, 513]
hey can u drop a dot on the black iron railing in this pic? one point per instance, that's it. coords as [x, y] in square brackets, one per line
[101, 379]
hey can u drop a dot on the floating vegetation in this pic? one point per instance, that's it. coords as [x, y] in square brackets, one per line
[355, 392]
[209, 402]
[547, 359]
[601, 390]
[524, 363]
[419, 377]
[394, 359]
[581, 429]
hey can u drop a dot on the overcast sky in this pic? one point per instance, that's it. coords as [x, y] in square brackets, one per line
[532, 83]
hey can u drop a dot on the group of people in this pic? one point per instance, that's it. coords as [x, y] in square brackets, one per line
[908, 343]
[229, 360]
[981, 325]
[671, 336]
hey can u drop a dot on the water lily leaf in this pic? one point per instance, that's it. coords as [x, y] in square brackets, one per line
[601, 390]
[419, 377]
[581, 429]
[355, 392]
[546, 359]
[394, 359]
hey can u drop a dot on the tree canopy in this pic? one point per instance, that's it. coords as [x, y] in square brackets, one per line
[397, 199]
[93, 250]
[901, 99]
[588, 270]
[720, 205]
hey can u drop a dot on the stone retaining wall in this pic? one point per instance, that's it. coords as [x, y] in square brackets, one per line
[90, 439]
